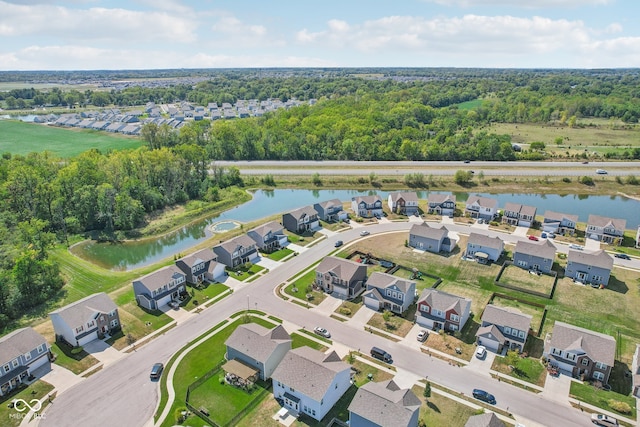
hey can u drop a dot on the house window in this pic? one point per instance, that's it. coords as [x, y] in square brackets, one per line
[6, 367]
[291, 390]
[41, 348]
[597, 278]
[556, 351]
[454, 317]
[598, 375]
[437, 313]
[507, 330]
[600, 365]
[388, 292]
[114, 323]
[424, 308]
[27, 356]
[570, 356]
[395, 295]
[15, 361]
[113, 313]
[91, 324]
[585, 362]
[79, 329]
[521, 334]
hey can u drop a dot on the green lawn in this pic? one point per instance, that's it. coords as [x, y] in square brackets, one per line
[244, 272]
[301, 341]
[600, 398]
[279, 254]
[363, 370]
[204, 294]
[138, 323]
[38, 390]
[76, 363]
[442, 411]
[526, 369]
[349, 308]
[521, 278]
[301, 286]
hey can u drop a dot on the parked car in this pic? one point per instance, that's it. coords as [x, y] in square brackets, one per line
[484, 396]
[532, 237]
[156, 371]
[422, 335]
[543, 235]
[339, 243]
[601, 172]
[481, 352]
[604, 420]
[622, 256]
[380, 354]
[364, 233]
[551, 235]
[576, 247]
[322, 331]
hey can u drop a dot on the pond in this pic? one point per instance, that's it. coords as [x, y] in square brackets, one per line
[135, 254]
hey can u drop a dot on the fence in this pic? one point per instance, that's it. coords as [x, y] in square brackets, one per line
[197, 383]
[523, 301]
[524, 290]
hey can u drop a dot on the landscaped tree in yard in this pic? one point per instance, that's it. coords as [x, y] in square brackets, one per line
[427, 391]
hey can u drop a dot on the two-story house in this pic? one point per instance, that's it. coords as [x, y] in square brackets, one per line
[606, 230]
[635, 372]
[431, 238]
[559, 223]
[536, 256]
[93, 317]
[237, 251]
[344, 278]
[578, 351]
[484, 249]
[481, 208]
[638, 237]
[367, 206]
[200, 266]
[488, 419]
[503, 329]
[384, 404]
[269, 237]
[518, 215]
[389, 292]
[258, 347]
[311, 382]
[589, 268]
[441, 204]
[440, 310]
[403, 202]
[330, 210]
[159, 288]
[21, 352]
[301, 220]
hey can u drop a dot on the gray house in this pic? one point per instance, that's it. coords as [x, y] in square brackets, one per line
[330, 210]
[635, 371]
[258, 347]
[21, 352]
[606, 230]
[384, 404]
[269, 237]
[159, 288]
[200, 266]
[389, 292]
[344, 278]
[484, 248]
[481, 207]
[441, 204]
[536, 256]
[433, 239]
[367, 206]
[589, 268]
[559, 223]
[440, 310]
[403, 202]
[237, 251]
[301, 220]
[518, 215]
[488, 419]
[503, 329]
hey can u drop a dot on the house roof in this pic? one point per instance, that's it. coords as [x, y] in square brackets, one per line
[483, 201]
[485, 241]
[161, 277]
[385, 403]
[408, 196]
[271, 226]
[520, 209]
[256, 341]
[309, 371]
[428, 232]
[491, 330]
[504, 316]
[484, 420]
[202, 255]
[441, 198]
[544, 249]
[79, 312]
[596, 259]
[599, 347]
[384, 280]
[330, 203]
[240, 241]
[369, 200]
[303, 211]
[557, 216]
[342, 268]
[603, 221]
[19, 342]
[443, 301]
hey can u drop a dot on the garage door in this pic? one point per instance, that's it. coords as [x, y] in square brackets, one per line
[84, 340]
[163, 301]
[41, 361]
[489, 344]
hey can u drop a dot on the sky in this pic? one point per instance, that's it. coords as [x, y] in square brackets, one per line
[153, 34]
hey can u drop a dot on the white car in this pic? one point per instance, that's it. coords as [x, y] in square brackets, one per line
[576, 247]
[481, 352]
[422, 335]
[604, 420]
[364, 233]
[601, 172]
[322, 332]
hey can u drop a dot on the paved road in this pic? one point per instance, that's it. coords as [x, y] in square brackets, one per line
[121, 394]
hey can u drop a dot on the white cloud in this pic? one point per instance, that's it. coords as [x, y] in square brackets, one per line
[531, 4]
[227, 31]
[203, 60]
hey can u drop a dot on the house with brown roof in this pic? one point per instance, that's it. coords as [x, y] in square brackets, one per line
[384, 404]
[488, 419]
[258, 347]
[159, 288]
[518, 215]
[589, 268]
[21, 352]
[330, 210]
[269, 237]
[367, 206]
[578, 351]
[440, 310]
[201, 265]
[481, 207]
[430, 238]
[503, 329]
[403, 202]
[483, 248]
[559, 223]
[389, 292]
[311, 382]
[301, 220]
[237, 251]
[535, 256]
[342, 277]
[605, 229]
[441, 204]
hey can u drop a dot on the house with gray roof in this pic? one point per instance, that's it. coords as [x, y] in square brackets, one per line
[635, 372]
[201, 265]
[535, 256]
[384, 404]
[403, 202]
[157, 289]
[441, 310]
[21, 352]
[258, 347]
[578, 351]
[389, 292]
[330, 210]
[589, 268]
[518, 215]
[638, 237]
[343, 278]
[310, 382]
[503, 329]
[441, 204]
[488, 419]
[269, 237]
[559, 223]
[605, 229]
[481, 207]
[237, 251]
[483, 248]
[367, 206]
[430, 238]
[93, 317]
[301, 220]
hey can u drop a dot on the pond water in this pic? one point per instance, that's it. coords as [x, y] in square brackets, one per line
[135, 254]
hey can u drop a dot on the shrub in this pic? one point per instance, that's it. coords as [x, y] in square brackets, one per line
[345, 311]
[586, 180]
[77, 350]
[567, 180]
[622, 407]
[181, 414]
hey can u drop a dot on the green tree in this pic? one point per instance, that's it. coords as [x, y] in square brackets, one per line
[463, 177]
[316, 180]
[427, 391]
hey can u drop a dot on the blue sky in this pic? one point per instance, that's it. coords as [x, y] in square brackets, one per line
[146, 34]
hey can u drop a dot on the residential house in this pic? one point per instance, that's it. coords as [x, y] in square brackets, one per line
[301, 220]
[441, 204]
[481, 207]
[311, 382]
[159, 288]
[237, 251]
[93, 317]
[578, 351]
[269, 237]
[589, 268]
[606, 230]
[638, 237]
[518, 215]
[483, 248]
[367, 206]
[389, 292]
[440, 310]
[403, 202]
[330, 210]
[21, 352]
[536, 256]
[559, 223]
[384, 404]
[344, 278]
[635, 371]
[503, 329]
[488, 419]
[258, 347]
[201, 265]
[428, 238]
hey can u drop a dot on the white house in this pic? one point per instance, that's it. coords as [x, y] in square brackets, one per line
[403, 202]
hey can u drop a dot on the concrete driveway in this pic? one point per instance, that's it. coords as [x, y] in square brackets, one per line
[482, 366]
[268, 263]
[328, 306]
[521, 231]
[60, 378]
[591, 244]
[103, 351]
[179, 315]
[557, 388]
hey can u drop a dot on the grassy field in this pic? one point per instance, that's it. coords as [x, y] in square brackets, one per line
[442, 411]
[22, 138]
[600, 398]
[76, 363]
[526, 369]
[37, 390]
[521, 278]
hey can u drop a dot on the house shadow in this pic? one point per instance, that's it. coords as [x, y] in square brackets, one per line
[616, 285]
[468, 333]
[621, 378]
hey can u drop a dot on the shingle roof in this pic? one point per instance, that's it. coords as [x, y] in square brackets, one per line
[441, 198]
[331, 203]
[544, 249]
[486, 241]
[241, 241]
[270, 226]
[491, 330]
[19, 342]
[79, 312]
[342, 268]
[303, 211]
[309, 371]
[385, 404]
[596, 259]
[443, 301]
[427, 231]
[603, 221]
[599, 347]
[369, 200]
[504, 316]
[520, 209]
[408, 196]
[161, 277]
[483, 201]
[202, 255]
[257, 341]
[484, 420]
[384, 280]
[557, 216]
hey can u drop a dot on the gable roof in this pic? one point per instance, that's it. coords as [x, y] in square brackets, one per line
[240, 241]
[264, 229]
[483, 201]
[485, 241]
[428, 232]
[520, 209]
[256, 341]
[341, 267]
[369, 200]
[544, 249]
[303, 211]
[504, 316]
[596, 259]
[202, 255]
[604, 221]
[443, 301]
[484, 420]
[327, 204]
[161, 277]
[385, 404]
[557, 216]
[491, 330]
[384, 280]
[599, 347]
[19, 342]
[79, 312]
[408, 196]
[441, 198]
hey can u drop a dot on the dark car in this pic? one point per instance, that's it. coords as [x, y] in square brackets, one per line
[622, 256]
[156, 371]
[467, 161]
[484, 396]
[339, 243]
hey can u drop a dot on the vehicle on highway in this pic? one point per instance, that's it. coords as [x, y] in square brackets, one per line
[156, 371]
[481, 352]
[467, 161]
[604, 420]
[422, 335]
[380, 354]
[576, 247]
[532, 237]
[484, 396]
[585, 163]
[364, 233]
[322, 332]
[622, 256]
[339, 243]
[601, 172]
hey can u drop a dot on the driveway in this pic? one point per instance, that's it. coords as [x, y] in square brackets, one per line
[591, 244]
[268, 263]
[326, 232]
[103, 351]
[410, 340]
[60, 378]
[557, 388]
[446, 220]
[328, 306]
[482, 366]
[296, 248]
[362, 316]
[179, 315]
[480, 226]
[521, 231]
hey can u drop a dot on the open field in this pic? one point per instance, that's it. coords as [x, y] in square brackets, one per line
[521, 278]
[37, 390]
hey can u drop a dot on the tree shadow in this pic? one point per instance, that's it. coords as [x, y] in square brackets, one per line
[433, 406]
[621, 378]
[616, 285]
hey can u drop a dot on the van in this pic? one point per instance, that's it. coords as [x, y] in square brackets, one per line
[378, 353]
